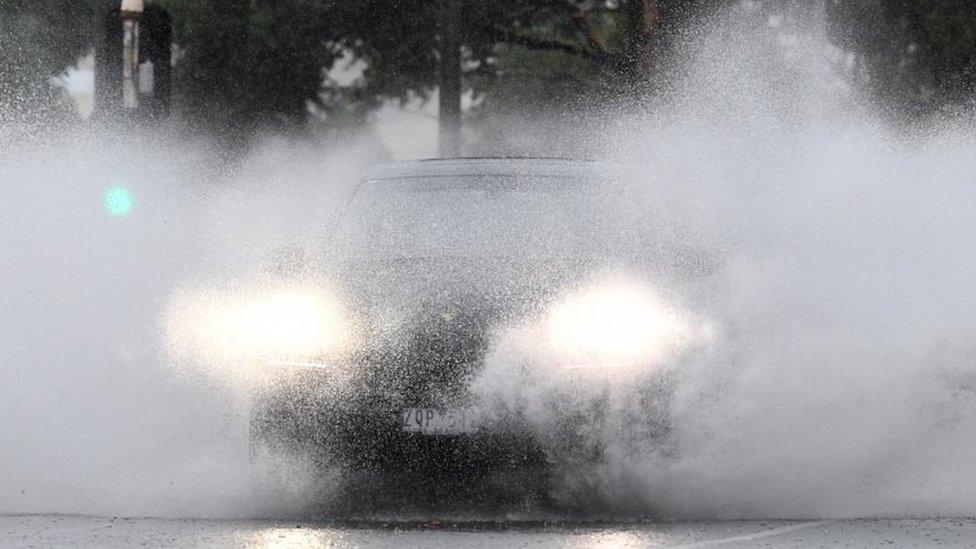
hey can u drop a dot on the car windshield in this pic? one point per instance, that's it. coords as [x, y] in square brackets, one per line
[481, 216]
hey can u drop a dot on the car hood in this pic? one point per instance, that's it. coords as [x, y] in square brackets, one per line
[446, 286]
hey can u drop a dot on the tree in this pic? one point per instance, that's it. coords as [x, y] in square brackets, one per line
[915, 56]
[395, 38]
[250, 65]
[449, 112]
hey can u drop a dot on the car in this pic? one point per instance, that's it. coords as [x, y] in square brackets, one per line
[494, 317]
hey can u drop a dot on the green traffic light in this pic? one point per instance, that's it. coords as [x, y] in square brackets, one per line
[118, 202]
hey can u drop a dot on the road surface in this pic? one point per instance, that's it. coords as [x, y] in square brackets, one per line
[60, 531]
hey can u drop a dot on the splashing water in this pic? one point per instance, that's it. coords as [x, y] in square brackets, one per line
[838, 377]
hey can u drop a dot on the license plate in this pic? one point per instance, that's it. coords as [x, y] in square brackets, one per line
[432, 421]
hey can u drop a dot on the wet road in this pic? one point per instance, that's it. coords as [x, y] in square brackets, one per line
[60, 531]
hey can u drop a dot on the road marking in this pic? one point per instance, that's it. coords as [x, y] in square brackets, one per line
[756, 536]
[299, 364]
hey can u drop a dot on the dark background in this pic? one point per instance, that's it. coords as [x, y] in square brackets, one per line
[242, 68]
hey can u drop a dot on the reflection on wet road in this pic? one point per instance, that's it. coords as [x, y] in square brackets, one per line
[59, 531]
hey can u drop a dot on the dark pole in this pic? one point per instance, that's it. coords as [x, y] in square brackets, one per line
[643, 19]
[157, 48]
[449, 144]
[108, 61]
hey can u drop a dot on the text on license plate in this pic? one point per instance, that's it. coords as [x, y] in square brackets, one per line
[432, 421]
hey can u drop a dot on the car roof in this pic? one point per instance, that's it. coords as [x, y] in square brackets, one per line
[480, 167]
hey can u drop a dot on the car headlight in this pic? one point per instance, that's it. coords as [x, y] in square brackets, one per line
[616, 324]
[263, 324]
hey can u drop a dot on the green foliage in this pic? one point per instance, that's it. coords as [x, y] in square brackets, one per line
[244, 65]
[946, 33]
[249, 65]
[917, 56]
[257, 63]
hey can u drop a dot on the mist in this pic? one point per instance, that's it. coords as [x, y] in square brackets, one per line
[842, 382]
[100, 415]
[838, 379]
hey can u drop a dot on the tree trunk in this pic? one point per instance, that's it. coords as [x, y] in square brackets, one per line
[450, 79]
[643, 19]
[108, 61]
